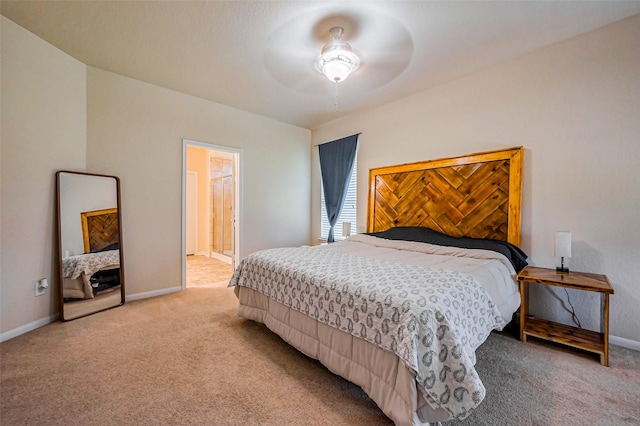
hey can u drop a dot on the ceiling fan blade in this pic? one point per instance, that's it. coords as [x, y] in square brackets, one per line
[383, 45]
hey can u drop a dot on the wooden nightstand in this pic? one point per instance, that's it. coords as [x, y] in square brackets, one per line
[587, 340]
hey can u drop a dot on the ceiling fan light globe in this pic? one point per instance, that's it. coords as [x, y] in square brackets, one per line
[336, 70]
[336, 64]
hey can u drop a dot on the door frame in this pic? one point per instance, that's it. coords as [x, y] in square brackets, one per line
[237, 207]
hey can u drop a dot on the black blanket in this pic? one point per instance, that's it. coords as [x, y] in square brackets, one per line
[517, 257]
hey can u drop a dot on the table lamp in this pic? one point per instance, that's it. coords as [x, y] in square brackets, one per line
[563, 248]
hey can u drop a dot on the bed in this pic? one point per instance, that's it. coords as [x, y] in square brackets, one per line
[87, 274]
[98, 268]
[401, 310]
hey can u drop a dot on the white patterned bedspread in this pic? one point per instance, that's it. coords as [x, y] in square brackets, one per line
[432, 317]
[89, 263]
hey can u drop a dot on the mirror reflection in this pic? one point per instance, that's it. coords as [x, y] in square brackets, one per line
[89, 236]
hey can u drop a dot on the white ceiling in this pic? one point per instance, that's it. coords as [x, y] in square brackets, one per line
[258, 56]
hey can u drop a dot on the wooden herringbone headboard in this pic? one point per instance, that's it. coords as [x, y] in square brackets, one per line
[477, 195]
[99, 229]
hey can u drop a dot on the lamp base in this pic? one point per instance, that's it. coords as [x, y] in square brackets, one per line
[562, 269]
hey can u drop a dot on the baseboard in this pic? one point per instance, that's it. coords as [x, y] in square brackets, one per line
[214, 255]
[221, 257]
[10, 334]
[625, 343]
[153, 293]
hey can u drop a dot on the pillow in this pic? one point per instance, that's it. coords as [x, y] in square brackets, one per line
[419, 234]
[112, 246]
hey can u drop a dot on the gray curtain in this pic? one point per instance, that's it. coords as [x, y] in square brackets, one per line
[336, 165]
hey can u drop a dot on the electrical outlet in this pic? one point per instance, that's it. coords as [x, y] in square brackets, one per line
[41, 286]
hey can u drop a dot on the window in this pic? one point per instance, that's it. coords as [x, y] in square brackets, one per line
[348, 213]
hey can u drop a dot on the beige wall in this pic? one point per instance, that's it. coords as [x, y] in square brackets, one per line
[135, 131]
[198, 161]
[575, 107]
[43, 103]
[59, 114]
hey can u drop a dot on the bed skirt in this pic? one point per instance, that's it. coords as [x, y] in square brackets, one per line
[380, 373]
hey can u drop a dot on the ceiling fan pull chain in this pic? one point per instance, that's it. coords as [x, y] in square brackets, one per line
[336, 93]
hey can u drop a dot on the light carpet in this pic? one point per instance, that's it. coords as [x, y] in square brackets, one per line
[187, 359]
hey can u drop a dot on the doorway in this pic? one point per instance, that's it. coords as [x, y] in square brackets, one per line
[210, 214]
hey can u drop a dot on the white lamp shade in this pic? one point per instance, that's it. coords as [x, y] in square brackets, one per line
[563, 244]
[346, 229]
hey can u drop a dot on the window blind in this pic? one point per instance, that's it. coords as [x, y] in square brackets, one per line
[348, 213]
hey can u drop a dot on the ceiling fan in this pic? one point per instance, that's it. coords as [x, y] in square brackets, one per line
[313, 52]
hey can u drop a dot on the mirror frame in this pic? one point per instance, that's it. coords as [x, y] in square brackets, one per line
[63, 317]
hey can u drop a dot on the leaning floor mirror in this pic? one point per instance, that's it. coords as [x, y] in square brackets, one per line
[90, 243]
